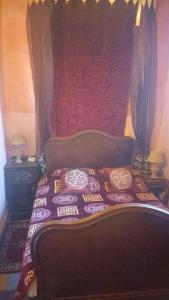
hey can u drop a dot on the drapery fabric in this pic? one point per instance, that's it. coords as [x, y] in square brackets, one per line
[143, 80]
[40, 44]
[149, 3]
[92, 50]
[143, 69]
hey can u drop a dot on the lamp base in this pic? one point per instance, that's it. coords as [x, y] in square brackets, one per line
[156, 170]
[160, 172]
[18, 159]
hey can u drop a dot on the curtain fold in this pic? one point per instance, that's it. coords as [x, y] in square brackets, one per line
[40, 45]
[143, 80]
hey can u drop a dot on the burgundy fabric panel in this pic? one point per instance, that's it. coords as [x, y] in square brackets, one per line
[92, 47]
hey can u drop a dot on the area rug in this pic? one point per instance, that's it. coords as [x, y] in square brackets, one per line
[12, 246]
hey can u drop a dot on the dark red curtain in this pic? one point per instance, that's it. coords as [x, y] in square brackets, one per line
[92, 50]
[40, 46]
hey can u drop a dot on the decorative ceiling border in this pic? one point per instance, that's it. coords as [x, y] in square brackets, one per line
[142, 3]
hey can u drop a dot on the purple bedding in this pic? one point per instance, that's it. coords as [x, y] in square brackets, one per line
[71, 194]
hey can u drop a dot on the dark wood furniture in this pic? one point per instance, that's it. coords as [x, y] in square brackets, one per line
[120, 253]
[20, 185]
[90, 148]
[159, 186]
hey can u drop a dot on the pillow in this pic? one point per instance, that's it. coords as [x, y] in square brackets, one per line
[120, 178]
[76, 179]
[84, 180]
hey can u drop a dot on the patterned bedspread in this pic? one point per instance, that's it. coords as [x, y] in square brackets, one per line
[71, 194]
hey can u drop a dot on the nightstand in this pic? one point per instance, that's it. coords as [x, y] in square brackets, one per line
[20, 186]
[159, 186]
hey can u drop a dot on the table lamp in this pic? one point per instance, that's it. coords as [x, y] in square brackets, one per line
[18, 141]
[157, 160]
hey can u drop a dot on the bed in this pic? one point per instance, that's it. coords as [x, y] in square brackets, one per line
[119, 251]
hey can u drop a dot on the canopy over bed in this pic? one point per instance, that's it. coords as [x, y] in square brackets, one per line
[87, 61]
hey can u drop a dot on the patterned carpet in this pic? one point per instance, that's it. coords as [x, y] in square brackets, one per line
[8, 284]
[11, 250]
[8, 295]
[12, 245]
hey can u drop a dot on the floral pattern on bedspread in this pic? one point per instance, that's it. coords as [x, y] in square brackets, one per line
[71, 194]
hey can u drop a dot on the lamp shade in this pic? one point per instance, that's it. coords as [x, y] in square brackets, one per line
[18, 140]
[156, 156]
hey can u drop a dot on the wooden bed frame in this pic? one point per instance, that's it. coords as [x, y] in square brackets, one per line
[120, 253]
[89, 148]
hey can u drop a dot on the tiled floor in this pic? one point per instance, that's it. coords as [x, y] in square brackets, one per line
[7, 295]
[8, 284]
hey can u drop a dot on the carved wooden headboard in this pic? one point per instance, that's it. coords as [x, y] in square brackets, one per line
[90, 148]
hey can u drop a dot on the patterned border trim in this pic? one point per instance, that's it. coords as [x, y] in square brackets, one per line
[149, 3]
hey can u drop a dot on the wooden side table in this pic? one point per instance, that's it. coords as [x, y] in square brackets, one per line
[20, 184]
[159, 186]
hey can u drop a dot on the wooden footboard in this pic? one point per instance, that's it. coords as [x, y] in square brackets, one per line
[120, 253]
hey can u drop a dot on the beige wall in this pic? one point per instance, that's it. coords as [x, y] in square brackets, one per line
[160, 139]
[2, 143]
[18, 88]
